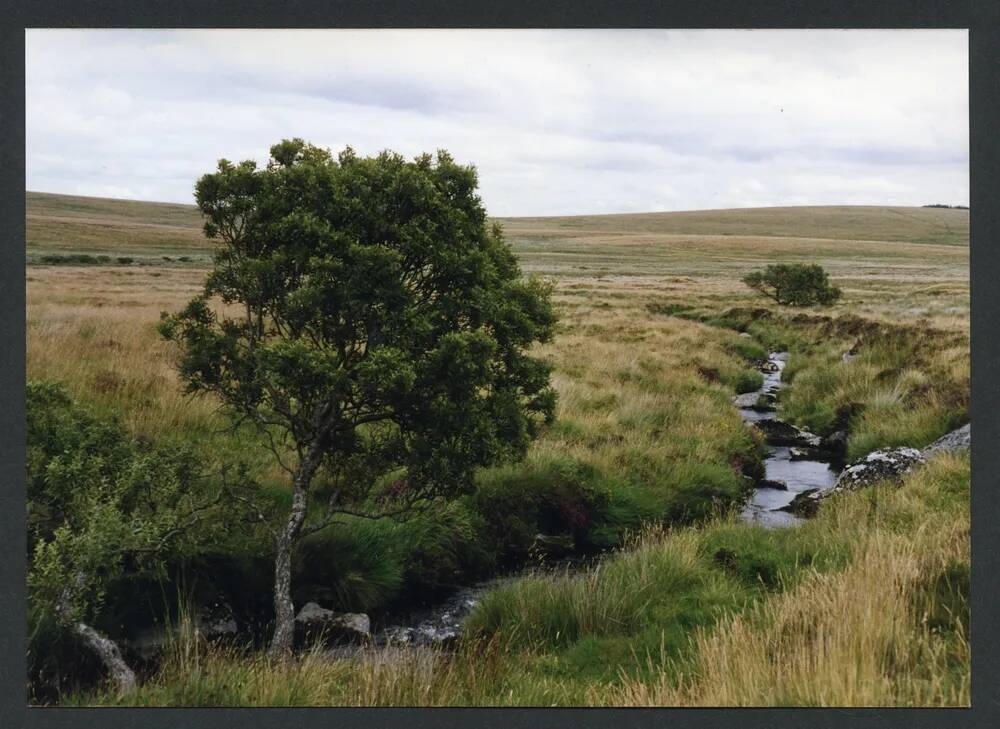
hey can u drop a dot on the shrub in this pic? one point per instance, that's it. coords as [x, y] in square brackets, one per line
[794, 284]
[102, 508]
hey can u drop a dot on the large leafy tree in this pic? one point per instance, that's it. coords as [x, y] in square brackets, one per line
[364, 315]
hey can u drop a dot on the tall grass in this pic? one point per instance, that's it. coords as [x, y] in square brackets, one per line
[906, 388]
[889, 630]
[869, 608]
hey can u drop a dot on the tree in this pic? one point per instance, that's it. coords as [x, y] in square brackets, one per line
[365, 317]
[100, 506]
[794, 284]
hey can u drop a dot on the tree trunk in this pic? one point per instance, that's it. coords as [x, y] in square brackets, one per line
[107, 650]
[284, 610]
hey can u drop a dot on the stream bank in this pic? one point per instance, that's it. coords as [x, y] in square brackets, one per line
[794, 463]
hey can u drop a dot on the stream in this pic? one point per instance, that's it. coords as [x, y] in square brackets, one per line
[797, 474]
[440, 624]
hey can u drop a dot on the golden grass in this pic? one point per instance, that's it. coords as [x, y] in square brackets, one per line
[859, 637]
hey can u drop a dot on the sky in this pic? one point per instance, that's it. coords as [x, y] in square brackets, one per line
[556, 122]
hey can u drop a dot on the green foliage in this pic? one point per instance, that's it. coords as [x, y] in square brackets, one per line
[99, 503]
[355, 566]
[557, 495]
[748, 381]
[747, 349]
[794, 284]
[903, 386]
[74, 259]
[383, 323]
[103, 509]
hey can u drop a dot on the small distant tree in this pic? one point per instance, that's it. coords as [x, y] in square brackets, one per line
[794, 284]
[372, 324]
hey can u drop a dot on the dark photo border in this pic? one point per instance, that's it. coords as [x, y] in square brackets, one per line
[981, 17]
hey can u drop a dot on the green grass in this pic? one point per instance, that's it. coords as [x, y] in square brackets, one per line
[642, 628]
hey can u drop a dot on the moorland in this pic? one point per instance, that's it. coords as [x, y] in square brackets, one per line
[643, 470]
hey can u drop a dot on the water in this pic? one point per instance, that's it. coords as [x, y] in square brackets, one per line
[441, 624]
[798, 475]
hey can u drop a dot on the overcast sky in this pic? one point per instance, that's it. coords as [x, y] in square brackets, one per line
[557, 122]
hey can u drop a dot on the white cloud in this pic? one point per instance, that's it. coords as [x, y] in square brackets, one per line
[556, 121]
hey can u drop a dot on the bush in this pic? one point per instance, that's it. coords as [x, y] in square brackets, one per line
[794, 284]
[74, 259]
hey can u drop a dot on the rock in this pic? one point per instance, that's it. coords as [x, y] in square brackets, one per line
[315, 622]
[769, 366]
[745, 335]
[805, 504]
[851, 353]
[956, 440]
[801, 454]
[780, 433]
[765, 403]
[767, 483]
[216, 621]
[885, 465]
[890, 464]
[746, 400]
[552, 545]
[836, 442]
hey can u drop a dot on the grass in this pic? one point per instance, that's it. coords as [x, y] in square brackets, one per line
[646, 360]
[868, 606]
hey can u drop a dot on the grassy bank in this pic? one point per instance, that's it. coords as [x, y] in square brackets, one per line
[865, 606]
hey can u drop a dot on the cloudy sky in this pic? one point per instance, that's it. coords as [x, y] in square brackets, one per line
[557, 122]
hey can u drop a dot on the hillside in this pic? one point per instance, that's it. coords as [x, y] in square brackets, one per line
[65, 223]
[857, 222]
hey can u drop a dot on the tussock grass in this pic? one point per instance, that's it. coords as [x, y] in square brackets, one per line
[904, 389]
[889, 630]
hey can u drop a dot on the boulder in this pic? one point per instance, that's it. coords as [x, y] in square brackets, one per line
[767, 483]
[552, 545]
[745, 335]
[890, 464]
[769, 366]
[956, 440]
[314, 622]
[836, 442]
[746, 400]
[802, 454]
[780, 433]
[216, 621]
[805, 504]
